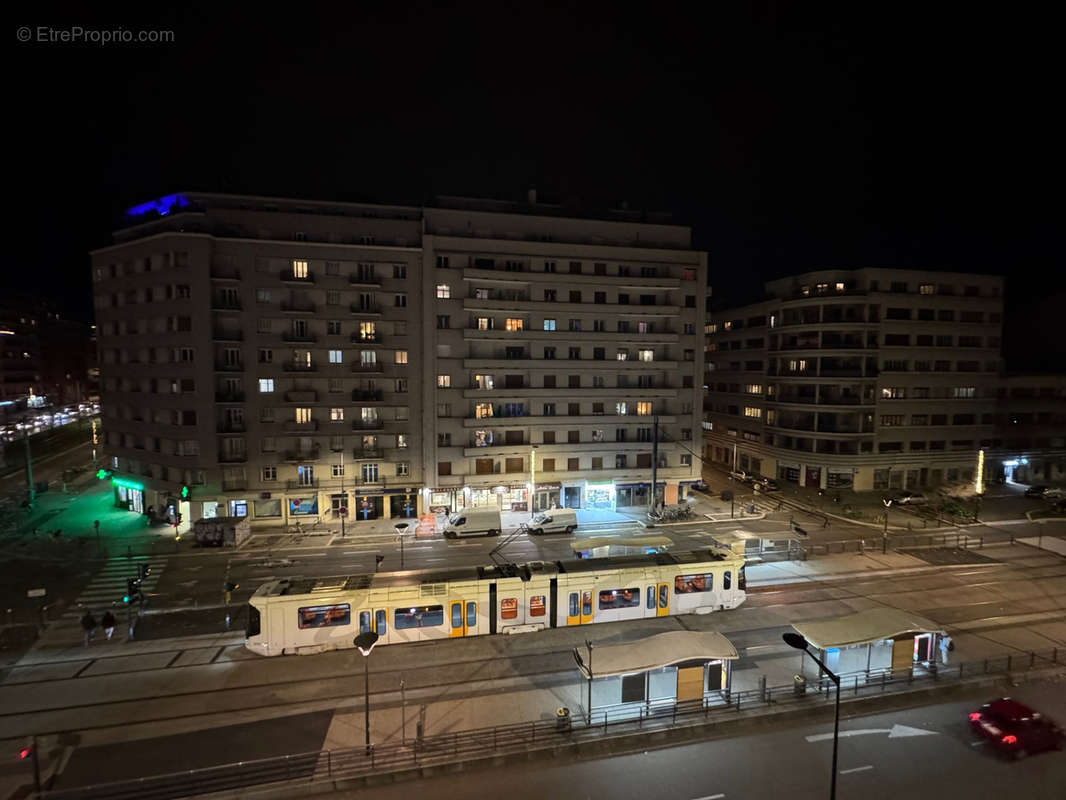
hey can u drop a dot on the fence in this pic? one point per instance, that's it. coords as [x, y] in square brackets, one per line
[355, 762]
[894, 541]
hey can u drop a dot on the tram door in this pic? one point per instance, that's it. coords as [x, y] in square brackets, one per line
[460, 617]
[381, 623]
[663, 606]
[573, 609]
[586, 607]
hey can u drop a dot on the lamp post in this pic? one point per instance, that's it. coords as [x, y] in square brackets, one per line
[401, 532]
[798, 642]
[365, 642]
[587, 669]
[532, 479]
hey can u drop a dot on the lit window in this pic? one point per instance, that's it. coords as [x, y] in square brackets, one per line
[368, 331]
[643, 409]
[303, 415]
[513, 324]
[620, 408]
[336, 357]
[754, 413]
[444, 291]
[444, 381]
[299, 269]
[483, 410]
[646, 355]
[839, 286]
[336, 414]
[484, 323]
[266, 385]
[927, 288]
[401, 356]
[549, 324]
[753, 388]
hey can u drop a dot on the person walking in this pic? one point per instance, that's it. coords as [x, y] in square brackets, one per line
[108, 624]
[88, 624]
[946, 646]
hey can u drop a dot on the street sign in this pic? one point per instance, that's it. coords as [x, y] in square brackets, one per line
[36, 593]
[343, 511]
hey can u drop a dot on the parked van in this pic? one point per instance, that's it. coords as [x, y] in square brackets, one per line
[474, 522]
[557, 520]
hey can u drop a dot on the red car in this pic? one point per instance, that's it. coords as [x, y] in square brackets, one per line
[1015, 729]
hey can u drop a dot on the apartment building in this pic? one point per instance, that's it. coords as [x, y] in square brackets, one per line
[288, 359]
[864, 379]
[1029, 444]
[263, 353]
[555, 344]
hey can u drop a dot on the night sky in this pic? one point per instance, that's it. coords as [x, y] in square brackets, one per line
[790, 136]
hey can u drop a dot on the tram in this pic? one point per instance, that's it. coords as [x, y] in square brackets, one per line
[311, 615]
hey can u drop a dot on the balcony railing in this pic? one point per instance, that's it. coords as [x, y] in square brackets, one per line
[368, 395]
[367, 424]
[365, 308]
[297, 456]
[223, 366]
[229, 397]
[232, 458]
[292, 426]
[220, 273]
[299, 366]
[360, 338]
[299, 308]
[227, 336]
[364, 280]
[289, 336]
[303, 484]
[288, 276]
[373, 367]
[367, 452]
[230, 426]
[225, 305]
[301, 396]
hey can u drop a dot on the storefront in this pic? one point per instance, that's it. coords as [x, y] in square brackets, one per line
[685, 488]
[366, 507]
[128, 494]
[305, 506]
[442, 501]
[788, 472]
[238, 508]
[513, 497]
[635, 494]
[403, 503]
[572, 495]
[547, 496]
[600, 495]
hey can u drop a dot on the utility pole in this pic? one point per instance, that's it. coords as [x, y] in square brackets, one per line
[32, 493]
[654, 460]
[532, 479]
[344, 503]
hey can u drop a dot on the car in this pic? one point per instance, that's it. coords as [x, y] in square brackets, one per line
[1015, 729]
[740, 475]
[1054, 493]
[766, 484]
[911, 498]
[1035, 491]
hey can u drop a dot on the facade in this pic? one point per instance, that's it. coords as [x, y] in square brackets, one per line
[862, 379]
[1029, 445]
[20, 351]
[288, 359]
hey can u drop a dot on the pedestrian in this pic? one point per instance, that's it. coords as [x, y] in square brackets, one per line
[88, 624]
[946, 646]
[825, 524]
[108, 624]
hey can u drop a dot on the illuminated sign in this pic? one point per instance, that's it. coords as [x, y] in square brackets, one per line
[162, 206]
[125, 484]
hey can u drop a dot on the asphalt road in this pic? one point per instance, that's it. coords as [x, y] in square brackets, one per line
[933, 756]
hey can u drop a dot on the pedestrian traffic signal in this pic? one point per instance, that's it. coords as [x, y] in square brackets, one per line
[133, 591]
[232, 587]
[185, 491]
[144, 570]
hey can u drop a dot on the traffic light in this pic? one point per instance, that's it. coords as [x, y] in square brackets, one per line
[133, 591]
[232, 587]
[143, 571]
[185, 491]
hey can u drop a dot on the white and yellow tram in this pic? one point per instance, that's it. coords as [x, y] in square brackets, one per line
[309, 615]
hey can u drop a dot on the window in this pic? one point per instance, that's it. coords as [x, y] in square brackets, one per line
[444, 291]
[509, 608]
[336, 357]
[549, 353]
[645, 355]
[536, 606]
[302, 415]
[400, 301]
[620, 408]
[443, 321]
[401, 440]
[755, 413]
[370, 473]
[575, 295]
[967, 392]
[270, 473]
[336, 415]
[401, 356]
[622, 355]
[927, 288]
[549, 266]
[324, 616]
[620, 461]
[299, 270]
[513, 324]
[337, 470]
[485, 323]
[549, 409]
[893, 393]
[266, 385]
[619, 598]
[419, 617]
[483, 410]
[575, 325]
[687, 584]
[643, 408]
[399, 270]
[549, 324]
[444, 409]
[892, 419]
[686, 460]
[442, 262]
[333, 327]
[550, 295]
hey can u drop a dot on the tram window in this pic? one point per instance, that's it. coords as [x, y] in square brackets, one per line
[573, 604]
[586, 604]
[651, 597]
[741, 581]
[727, 579]
[381, 619]
[364, 622]
[324, 616]
[419, 617]
[664, 596]
[509, 608]
[536, 606]
[684, 584]
[471, 615]
[619, 598]
[254, 623]
[457, 615]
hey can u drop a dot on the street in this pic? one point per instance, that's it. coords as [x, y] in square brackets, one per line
[934, 756]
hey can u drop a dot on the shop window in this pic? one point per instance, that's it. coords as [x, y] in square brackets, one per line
[509, 608]
[536, 606]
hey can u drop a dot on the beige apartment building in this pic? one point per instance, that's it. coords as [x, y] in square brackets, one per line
[287, 359]
[864, 379]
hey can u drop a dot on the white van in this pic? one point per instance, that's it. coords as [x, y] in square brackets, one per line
[473, 522]
[557, 520]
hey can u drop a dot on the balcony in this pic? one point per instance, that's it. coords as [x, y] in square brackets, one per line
[230, 426]
[303, 484]
[364, 280]
[367, 424]
[235, 485]
[298, 456]
[371, 368]
[374, 338]
[293, 307]
[222, 366]
[289, 336]
[292, 426]
[362, 453]
[218, 304]
[232, 458]
[229, 397]
[299, 366]
[366, 309]
[287, 276]
[301, 396]
[227, 336]
[222, 273]
[368, 395]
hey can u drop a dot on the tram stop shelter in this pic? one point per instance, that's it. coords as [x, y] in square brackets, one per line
[603, 546]
[660, 671]
[874, 641]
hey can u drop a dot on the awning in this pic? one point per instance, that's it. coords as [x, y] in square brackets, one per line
[871, 625]
[659, 651]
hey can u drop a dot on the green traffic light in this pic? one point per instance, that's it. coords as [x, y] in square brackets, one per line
[126, 599]
[184, 492]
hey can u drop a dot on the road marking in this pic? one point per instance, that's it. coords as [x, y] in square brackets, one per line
[710, 797]
[855, 769]
[895, 732]
[976, 744]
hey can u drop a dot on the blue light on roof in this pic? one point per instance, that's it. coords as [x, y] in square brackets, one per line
[163, 205]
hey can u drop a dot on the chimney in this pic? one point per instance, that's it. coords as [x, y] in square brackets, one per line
[531, 195]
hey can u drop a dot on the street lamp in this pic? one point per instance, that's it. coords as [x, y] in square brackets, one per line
[798, 642]
[532, 479]
[365, 642]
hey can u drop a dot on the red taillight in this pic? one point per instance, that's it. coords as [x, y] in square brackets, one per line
[974, 716]
[1010, 738]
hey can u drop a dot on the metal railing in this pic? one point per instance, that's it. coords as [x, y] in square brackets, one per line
[355, 762]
